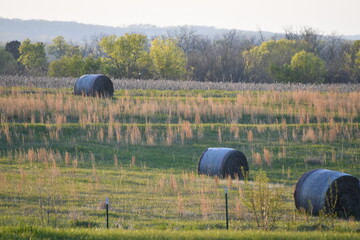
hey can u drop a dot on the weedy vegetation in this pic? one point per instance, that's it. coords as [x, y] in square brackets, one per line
[61, 155]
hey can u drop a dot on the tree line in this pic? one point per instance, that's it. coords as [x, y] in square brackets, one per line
[303, 56]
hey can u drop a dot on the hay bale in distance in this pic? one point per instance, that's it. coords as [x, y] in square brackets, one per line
[94, 85]
[223, 162]
[327, 191]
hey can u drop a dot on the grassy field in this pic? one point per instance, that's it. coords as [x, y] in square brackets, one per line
[61, 156]
[51, 233]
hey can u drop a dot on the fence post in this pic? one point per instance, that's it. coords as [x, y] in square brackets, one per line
[226, 208]
[107, 212]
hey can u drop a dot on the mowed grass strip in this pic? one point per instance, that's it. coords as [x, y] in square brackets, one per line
[19, 233]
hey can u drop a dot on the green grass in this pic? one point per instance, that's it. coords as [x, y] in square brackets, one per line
[51, 233]
[159, 194]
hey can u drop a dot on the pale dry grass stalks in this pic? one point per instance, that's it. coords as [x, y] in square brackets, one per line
[92, 159]
[101, 135]
[309, 135]
[235, 131]
[133, 161]
[67, 158]
[238, 209]
[257, 158]
[118, 133]
[150, 135]
[289, 172]
[96, 178]
[173, 183]
[204, 203]
[198, 108]
[284, 126]
[33, 118]
[229, 182]
[200, 132]
[7, 133]
[268, 155]
[75, 163]
[294, 135]
[169, 136]
[180, 205]
[186, 129]
[31, 155]
[60, 119]
[42, 156]
[185, 179]
[250, 136]
[116, 161]
[216, 182]
[187, 112]
[333, 155]
[161, 183]
[52, 159]
[219, 136]
[133, 134]
[332, 134]
[58, 156]
[260, 128]
[197, 118]
[110, 130]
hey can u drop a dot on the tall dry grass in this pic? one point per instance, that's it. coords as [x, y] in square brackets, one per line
[300, 105]
[108, 120]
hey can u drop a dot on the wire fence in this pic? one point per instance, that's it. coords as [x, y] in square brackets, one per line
[75, 199]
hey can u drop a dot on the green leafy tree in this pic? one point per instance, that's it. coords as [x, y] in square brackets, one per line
[356, 70]
[33, 57]
[13, 48]
[261, 60]
[66, 67]
[8, 64]
[283, 74]
[73, 66]
[308, 68]
[127, 55]
[91, 64]
[169, 60]
[305, 67]
[351, 63]
[60, 48]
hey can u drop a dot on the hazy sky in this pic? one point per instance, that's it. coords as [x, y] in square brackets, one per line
[327, 16]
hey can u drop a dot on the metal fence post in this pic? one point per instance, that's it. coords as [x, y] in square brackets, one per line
[226, 208]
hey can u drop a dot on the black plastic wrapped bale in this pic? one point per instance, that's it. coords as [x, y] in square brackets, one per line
[223, 162]
[327, 191]
[94, 85]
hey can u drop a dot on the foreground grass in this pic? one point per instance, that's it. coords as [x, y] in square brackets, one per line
[19, 233]
[62, 155]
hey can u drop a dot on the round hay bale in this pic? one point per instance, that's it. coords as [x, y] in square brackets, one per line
[94, 85]
[327, 191]
[223, 162]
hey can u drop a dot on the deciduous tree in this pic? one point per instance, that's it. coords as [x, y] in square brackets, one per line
[60, 48]
[260, 60]
[169, 60]
[308, 68]
[127, 55]
[305, 67]
[8, 64]
[33, 57]
[73, 66]
[13, 48]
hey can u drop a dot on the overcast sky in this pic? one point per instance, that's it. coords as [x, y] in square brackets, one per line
[327, 16]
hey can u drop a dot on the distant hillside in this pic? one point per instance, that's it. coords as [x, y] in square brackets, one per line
[41, 30]
[44, 31]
